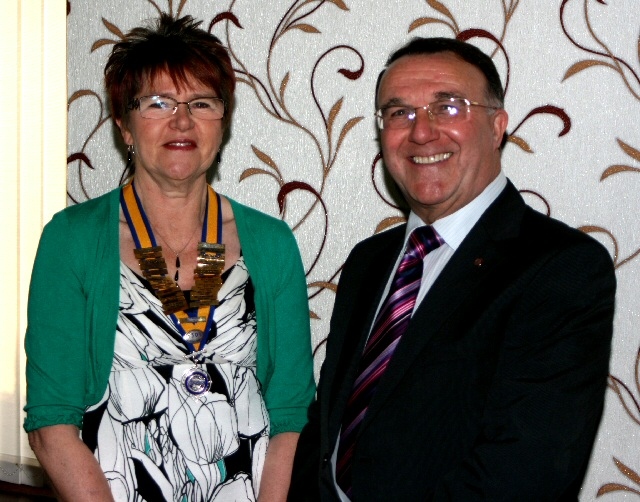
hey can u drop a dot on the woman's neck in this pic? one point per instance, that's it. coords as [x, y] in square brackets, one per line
[174, 213]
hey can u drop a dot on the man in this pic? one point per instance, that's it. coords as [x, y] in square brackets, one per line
[491, 387]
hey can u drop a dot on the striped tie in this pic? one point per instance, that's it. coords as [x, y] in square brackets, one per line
[391, 323]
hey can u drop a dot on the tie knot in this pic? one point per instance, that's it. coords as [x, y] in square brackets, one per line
[422, 241]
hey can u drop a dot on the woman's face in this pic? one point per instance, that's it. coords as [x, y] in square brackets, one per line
[179, 148]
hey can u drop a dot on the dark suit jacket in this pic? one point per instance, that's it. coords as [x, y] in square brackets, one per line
[495, 391]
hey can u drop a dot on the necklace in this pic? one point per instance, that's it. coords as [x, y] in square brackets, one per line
[210, 261]
[194, 321]
[177, 275]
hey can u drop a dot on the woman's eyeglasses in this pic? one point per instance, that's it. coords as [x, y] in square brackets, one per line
[161, 107]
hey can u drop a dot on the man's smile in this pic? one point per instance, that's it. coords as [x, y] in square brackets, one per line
[432, 159]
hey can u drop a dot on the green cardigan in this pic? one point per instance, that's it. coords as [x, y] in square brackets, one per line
[74, 301]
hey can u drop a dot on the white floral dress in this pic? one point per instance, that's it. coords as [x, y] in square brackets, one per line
[154, 441]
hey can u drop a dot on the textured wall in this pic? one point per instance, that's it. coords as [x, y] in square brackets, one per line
[303, 142]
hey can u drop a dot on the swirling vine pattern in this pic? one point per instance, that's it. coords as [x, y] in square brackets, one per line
[601, 55]
[275, 104]
[319, 48]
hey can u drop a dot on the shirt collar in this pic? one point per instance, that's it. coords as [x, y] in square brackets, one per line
[455, 227]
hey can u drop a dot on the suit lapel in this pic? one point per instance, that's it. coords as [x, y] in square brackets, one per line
[363, 294]
[481, 258]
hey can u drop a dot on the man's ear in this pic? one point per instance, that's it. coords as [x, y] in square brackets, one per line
[500, 122]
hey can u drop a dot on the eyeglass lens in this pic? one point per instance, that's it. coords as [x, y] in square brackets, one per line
[444, 111]
[157, 107]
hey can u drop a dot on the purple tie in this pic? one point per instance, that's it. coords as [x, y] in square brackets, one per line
[391, 323]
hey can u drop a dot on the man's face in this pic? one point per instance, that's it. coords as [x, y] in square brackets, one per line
[440, 168]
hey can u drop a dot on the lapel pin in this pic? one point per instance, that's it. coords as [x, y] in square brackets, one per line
[478, 262]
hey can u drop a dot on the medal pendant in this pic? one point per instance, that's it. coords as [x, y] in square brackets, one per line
[193, 336]
[196, 381]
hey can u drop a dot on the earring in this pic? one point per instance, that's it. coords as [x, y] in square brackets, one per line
[130, 153]
[218, 157]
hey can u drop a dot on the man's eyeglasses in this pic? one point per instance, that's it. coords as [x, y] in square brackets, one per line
[442, 111]
[161, 107]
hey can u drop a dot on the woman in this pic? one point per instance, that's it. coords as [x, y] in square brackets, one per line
[185, 386]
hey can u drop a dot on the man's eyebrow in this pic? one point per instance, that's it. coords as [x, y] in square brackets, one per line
[394, 102]
[437, 96]
[448, 94]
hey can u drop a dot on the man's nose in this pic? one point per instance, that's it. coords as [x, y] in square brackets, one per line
[424, 127]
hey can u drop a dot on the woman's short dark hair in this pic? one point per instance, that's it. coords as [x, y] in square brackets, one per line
[467, 52]
[175, 46]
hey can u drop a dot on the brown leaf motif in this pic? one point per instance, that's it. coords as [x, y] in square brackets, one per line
[180, 7]
[335, 109]
[517, 140]
[629, 150]
[80, 94]
[389, 222]
[440, 7]
[626, 397]
[101, 43]
[628, 472]
[617, 168]
[113, 28]
[346, 128]
[252, 171]
[307, 28]
[265, 158]
[621, 168]
[340, 4]
[615, 487]
[583, 65]
[283, 85]
[424, 20]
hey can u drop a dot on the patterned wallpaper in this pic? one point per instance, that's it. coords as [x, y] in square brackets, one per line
[303, 142]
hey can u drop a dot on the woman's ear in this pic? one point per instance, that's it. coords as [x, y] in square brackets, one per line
[126, 133]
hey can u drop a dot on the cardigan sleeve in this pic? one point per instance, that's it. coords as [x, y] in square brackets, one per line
[291, 386]
[72, 313]
[284, 362]
[55, 337]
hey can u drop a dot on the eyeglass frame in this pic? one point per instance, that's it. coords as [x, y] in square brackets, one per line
[134, 104]
[432, 116]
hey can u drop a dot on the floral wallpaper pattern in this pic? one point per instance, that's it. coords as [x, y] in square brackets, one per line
[303, 142]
